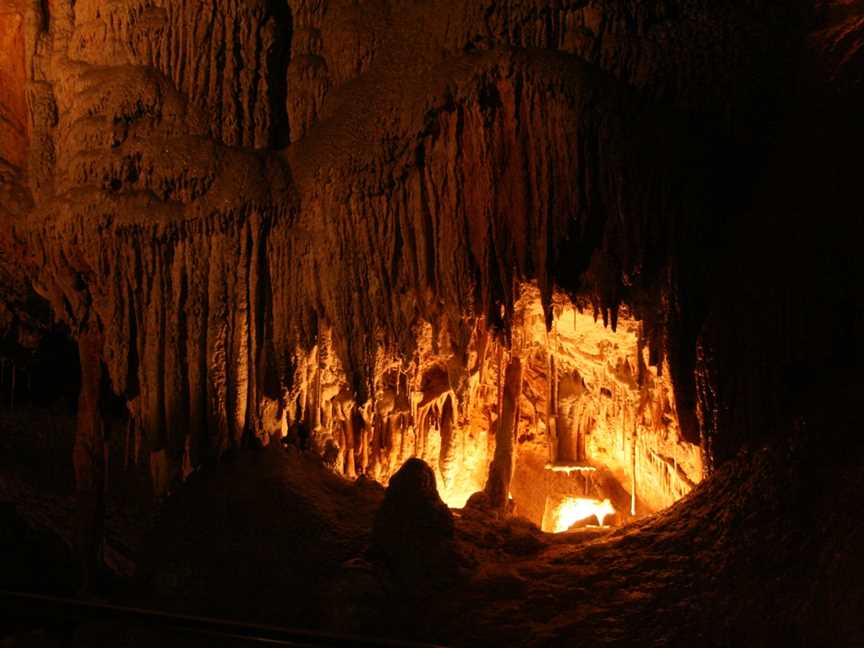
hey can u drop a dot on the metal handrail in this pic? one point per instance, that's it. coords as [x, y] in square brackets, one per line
[79, 610]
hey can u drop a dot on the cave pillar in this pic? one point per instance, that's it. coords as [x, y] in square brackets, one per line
[368, 442]
[447, 453]
[567, 434]
[501, 468]
[570, 392]
[316, 391]
[89, 457]
[551, 408]
[349, 428]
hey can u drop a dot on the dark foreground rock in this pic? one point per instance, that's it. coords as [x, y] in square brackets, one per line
[413, 530]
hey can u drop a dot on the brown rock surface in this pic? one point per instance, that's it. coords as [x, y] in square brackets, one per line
[208, 266]
[327, 217]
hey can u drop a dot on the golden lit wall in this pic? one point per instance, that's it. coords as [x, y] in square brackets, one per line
[611, 414]
[610, 411]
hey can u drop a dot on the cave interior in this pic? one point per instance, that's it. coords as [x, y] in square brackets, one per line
[432, 322]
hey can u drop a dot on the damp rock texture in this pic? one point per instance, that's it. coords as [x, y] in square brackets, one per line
[315, 219]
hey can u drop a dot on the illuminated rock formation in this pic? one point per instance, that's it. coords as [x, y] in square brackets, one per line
[194, 260]
[543, 247]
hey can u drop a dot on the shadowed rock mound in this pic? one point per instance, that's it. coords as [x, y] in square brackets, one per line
[259, 539]
[413, 529]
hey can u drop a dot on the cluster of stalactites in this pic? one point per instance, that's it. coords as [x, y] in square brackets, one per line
[428, 407]
[455, 408]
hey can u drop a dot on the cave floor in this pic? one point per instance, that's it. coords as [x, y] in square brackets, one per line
[767, 551]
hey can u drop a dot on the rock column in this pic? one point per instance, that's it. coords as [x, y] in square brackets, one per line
[501, 468]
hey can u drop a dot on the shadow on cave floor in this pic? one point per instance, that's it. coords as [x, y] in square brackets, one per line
[768, 551]
[257, 538]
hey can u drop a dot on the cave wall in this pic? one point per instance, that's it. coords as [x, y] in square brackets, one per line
[607, 411]
[614, 415]
[434, 165]
[13, 101]
[425, 406]
[138, 234]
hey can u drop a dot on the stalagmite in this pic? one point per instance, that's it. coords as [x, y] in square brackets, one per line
[365, 419]
[447, 458]
[349, 436]
[501, 468]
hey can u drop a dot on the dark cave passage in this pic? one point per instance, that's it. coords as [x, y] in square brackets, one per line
[39, 389]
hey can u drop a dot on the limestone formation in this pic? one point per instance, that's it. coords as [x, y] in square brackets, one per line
[353, 221]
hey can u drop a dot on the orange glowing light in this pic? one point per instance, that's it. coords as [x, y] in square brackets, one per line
[575, 509]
